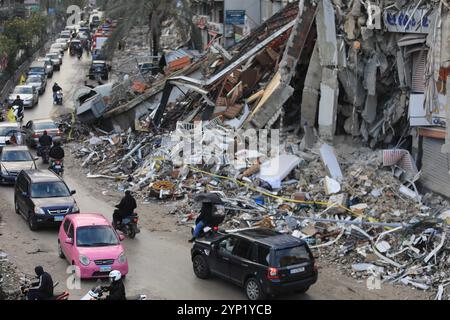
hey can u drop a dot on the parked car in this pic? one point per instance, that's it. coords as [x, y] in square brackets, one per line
[6, 131]
[64, 42]
[89, 242]
[58, 52]
[65, 35]
[38, 82]
[59, 47]
[98, 68]
[37, 68]
[35, 128]
[54, 57]
[48, 65]
[262, 261]
[27, 93]
[43, 198]
[14, 159]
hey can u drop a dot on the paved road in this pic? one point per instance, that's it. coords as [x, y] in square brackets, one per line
[159, 262]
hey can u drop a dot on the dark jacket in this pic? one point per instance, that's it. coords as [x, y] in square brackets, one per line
[18, 102]
[126, 205]
[56, 152]
[45, 140]
[116, 291]
[56, 88]
[45, 285]
[206, 213]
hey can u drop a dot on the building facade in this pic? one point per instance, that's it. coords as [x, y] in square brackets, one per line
[228, 21]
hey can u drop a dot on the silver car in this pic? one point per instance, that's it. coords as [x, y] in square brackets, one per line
[54, 57]
[37, 81]
[27, 93]
[14, 159]
[64, 42]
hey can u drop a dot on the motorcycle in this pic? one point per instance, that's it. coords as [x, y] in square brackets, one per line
[44, 153]
[211, 229]
[97, 293]
[57, 167]
[18, 113]
[59, 98]
[56, 296]
[129, 226]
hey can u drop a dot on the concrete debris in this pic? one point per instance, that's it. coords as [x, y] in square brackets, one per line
[11, 279]
[360, 210]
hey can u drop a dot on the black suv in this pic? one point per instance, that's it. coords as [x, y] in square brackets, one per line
[98, 68]
[263, 261]
[42, 197]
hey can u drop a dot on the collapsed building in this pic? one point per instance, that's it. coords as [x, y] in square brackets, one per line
[376, 71]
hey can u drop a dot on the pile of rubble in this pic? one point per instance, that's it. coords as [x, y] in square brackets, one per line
[10, 279]
[358, 208]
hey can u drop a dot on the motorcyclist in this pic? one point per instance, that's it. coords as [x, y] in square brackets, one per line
[124, 208]
[43, 289]
[205, 217]
[44, 141]
[18, 102]
[56, 152]
[116, 288]
[55, 90]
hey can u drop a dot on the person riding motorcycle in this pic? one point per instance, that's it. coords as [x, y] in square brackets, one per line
[19, 103]
[55, 90]
[203, 219]
[43, 289]
[116, 288]
[44, 141]
[56, 152]
[124, 208]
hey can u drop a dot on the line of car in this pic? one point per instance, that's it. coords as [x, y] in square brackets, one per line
[43, 198]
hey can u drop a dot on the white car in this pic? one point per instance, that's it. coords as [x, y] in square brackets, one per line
[64, 42]
[27, 93]
[59, 47]
[6, 131]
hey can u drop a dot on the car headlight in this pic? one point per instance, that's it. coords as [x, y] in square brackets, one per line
[39, 210]
[75, 208]
[4, 171]
[84, 260]
[122, 258]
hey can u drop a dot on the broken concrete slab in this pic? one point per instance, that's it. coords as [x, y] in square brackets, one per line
[330, 161]
[275, 170]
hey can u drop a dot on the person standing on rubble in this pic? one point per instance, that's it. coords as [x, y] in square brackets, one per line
[124, 208]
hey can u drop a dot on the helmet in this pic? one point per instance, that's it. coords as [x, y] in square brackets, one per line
[45, 132]
[115, 275]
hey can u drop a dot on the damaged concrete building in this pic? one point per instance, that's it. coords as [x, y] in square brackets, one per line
[375, 70]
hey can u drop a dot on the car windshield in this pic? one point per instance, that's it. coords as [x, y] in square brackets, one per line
[65, 36]
[49, 190]
[98, 65]
[24, 90]
[291, 256]
[96, 236]
[34, 79]
[45, 125]
[52, 56]
[7, 131]
[16, 155]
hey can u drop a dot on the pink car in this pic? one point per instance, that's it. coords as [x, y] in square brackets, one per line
[89, 242]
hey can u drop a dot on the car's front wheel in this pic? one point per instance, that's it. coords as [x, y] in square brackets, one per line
[32, 224]
[201, 268]
[16, 206]
[60, 252]
[253, 290]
